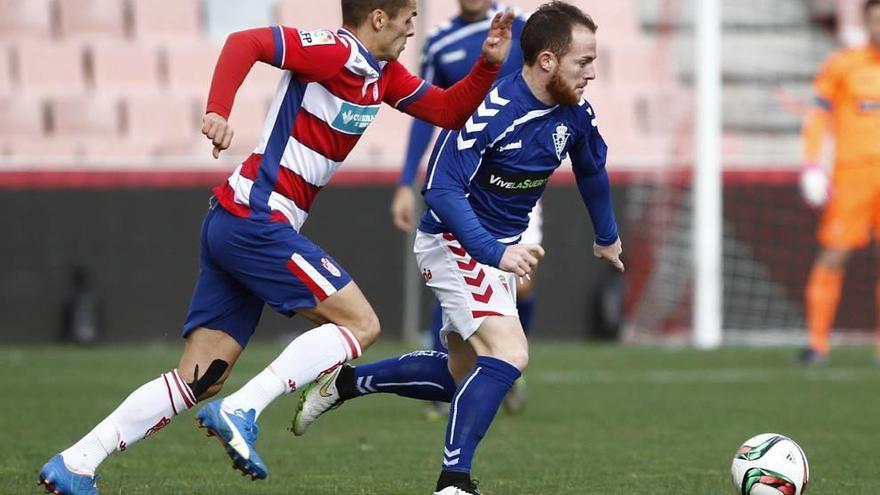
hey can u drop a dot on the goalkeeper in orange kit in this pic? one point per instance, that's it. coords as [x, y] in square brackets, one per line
[847, 107]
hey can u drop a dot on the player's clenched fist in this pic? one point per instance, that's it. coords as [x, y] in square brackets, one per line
[521, 258]
[611, 253]
[218, 130]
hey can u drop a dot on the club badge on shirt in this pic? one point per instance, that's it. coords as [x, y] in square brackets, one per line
[560, 137]
[317, 37]
[330, 267]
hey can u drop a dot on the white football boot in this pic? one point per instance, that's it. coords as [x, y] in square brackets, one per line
[319, 397]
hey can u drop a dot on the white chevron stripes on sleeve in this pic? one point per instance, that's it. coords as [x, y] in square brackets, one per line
[472, 126]
[483, 111]
[496, 99]
[464, 144]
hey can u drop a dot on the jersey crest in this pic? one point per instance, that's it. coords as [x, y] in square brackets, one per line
[560, 138]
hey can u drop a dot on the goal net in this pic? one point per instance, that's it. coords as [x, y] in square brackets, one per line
[770, 51]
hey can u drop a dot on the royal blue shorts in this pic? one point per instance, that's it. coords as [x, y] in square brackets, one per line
[246, 263]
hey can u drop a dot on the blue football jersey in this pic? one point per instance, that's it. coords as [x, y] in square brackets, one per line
[453, 48]
[484, 179]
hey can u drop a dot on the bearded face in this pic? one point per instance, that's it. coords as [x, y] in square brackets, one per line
[574, 69]
[563, 92]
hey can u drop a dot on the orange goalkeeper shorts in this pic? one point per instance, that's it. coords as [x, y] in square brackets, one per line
[853, 210]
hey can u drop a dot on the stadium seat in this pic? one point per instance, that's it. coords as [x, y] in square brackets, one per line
[261, 82]
[92, 18]
[125, 68]
[166, 121]
[617, 20]
[167, 19]
[78, 116]
[248, 116]
[5, 68]
[632, 63]
[57, 150]
[28, 18]
[294, 15]
[225, 16]
[190, 66]
[22, 115]
[46, 67]
[126, 149]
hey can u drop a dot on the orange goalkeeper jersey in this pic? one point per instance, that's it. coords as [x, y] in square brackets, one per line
[848, 102]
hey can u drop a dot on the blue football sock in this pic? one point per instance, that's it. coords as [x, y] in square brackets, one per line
[436, 326]
[473, 408]
[526, 309]
[418, 375]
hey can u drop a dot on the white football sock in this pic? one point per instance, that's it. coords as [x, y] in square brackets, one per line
[315, 352]
[146, 411]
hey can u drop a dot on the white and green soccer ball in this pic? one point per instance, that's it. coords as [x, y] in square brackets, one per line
[770, 464]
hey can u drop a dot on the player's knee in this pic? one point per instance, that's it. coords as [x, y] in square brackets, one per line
[366, 328]
[459, 370]
[518, 358]
[207, 382]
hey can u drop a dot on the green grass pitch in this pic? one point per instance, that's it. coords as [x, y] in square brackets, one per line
[601, 420]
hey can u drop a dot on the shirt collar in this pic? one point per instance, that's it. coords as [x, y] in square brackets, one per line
[368, 57]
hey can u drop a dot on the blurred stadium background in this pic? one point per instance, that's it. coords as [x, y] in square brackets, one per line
[104, 181]
[104, 176]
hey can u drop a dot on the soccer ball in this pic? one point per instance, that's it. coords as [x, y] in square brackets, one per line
[770, 464]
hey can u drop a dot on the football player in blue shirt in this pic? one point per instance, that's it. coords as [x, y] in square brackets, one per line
[449, 53]
[483, 180]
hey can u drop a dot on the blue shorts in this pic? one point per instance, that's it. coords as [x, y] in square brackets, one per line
[245, 263]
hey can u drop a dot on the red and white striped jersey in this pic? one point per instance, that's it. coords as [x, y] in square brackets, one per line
[330, 91]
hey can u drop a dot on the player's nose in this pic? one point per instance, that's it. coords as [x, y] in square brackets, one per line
[590, 74]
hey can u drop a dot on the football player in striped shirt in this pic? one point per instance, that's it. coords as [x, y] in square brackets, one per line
[252, 253]
[482, 182]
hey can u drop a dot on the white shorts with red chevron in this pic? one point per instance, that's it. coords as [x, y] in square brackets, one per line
[468, 291]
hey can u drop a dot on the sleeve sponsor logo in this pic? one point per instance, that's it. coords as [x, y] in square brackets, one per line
[317, 37]
[354, 119]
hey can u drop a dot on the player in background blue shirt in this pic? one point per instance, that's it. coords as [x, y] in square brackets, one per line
[482, 182]
[449, 53]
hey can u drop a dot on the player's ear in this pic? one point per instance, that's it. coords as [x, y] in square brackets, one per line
[547, 61]
[378, 19]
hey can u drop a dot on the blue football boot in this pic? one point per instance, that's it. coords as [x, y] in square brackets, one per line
[238, 433]
[57, 479]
